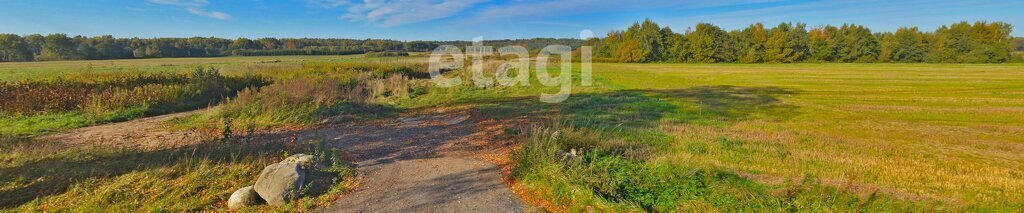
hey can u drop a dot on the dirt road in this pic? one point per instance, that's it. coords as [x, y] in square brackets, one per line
[422, 163]
[144, 133]
[426, 162]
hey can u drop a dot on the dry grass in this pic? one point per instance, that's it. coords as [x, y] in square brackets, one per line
[42, 176]
[36, 107]
[15, 71]
[318, 93]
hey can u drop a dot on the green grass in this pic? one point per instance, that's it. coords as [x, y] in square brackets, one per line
[917, 136]
[42, 176]
[15, 71]
[936, 135]
[934, 131]
[725, 137]
[37, 124]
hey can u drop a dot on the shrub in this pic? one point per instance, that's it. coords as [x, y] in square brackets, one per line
[387, 54]
[327, 92]
[169, 92]
[379, 70]
[74, 102]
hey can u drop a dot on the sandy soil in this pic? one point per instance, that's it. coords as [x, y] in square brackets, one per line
[144, 133]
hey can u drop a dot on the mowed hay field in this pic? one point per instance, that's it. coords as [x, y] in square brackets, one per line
[942, 132]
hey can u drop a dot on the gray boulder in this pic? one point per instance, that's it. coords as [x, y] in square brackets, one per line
[280, 183]
[246, 196]
[306, 162]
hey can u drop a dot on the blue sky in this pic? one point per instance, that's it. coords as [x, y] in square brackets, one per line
[466, 19]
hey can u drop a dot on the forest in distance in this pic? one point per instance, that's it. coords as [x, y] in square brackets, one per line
[57, 47]
[963, 42]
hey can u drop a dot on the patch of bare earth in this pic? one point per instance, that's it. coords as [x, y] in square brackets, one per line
[145, 133]
[442, 160]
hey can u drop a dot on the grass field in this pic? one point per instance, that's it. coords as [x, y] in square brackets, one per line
[921, 136]
[951, 133]
[14, 71]
[817, 137]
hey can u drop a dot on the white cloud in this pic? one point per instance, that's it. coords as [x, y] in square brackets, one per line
[195, 7]
[388, 13]
[328, 3]
[211, 14]
[181, 3]
[560, 8]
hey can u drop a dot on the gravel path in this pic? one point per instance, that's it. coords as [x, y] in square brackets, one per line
[428, 163]
[442, 184]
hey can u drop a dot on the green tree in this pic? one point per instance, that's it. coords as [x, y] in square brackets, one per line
[821, 43]
[610, 45]
[887, 46]
[750, 43]
[992, 42]
[14, 48]
[58, 47]
[243, 44]
[643, 42]
[35, 43]
[677, 51]
[709, 44]
[269, 43]
[952, 43]
[982, 42]
[787, 44]
[857, 44]
[907, 45]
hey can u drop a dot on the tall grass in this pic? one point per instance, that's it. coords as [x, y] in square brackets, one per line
[113, 97]
[322, 93]
[377, 69]
[607, 176]
[42, 176]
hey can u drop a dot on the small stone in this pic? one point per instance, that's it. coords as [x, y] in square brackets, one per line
[456, 120]
[246, 196]
[306, 162]
[280, 183]
[332, 120]
[567, 155]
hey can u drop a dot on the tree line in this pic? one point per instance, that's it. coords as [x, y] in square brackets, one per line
[979, 42]
[54, 47]
[1019, 44]
[963, 42]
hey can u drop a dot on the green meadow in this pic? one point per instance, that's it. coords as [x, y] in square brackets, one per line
[927, 136]
[649, 137]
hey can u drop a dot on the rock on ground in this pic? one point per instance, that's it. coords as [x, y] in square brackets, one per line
[246, 196]
[280, 183]
[306, 162]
